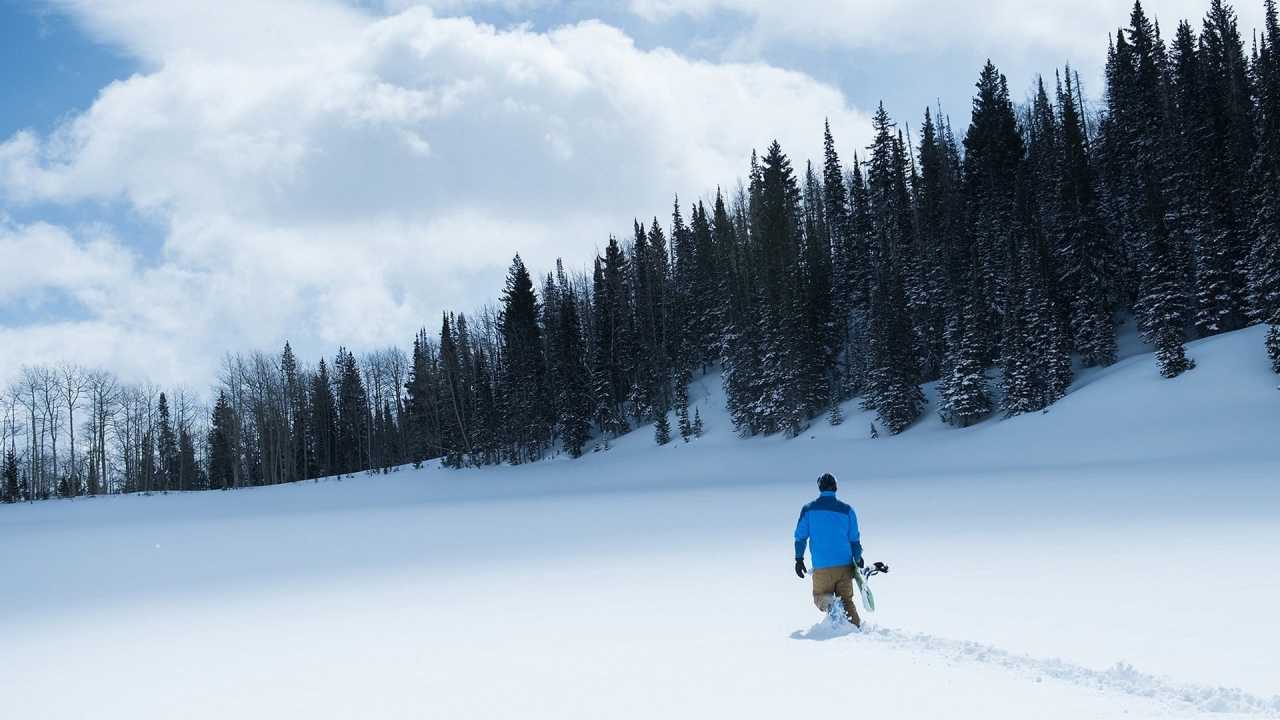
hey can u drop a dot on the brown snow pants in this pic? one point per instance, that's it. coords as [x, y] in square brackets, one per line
[835, 581]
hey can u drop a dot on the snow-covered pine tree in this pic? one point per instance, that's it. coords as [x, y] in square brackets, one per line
[612, 343]
[1273, 342]
[993, 153]
[1228, 146]
[697, 422]
[1264, 259]
[964, 393]
[937, 229]
[1163, 297]
[857, 354]
[662, 428]
[891, 387]
[845, 263]
[835, 416]
[1087, 260]
[684, 425]
[778, 247]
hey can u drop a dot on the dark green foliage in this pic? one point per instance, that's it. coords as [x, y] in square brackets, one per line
[662, 429]
[12, 490]
[573, 378]
[222, 462]
[525, 404]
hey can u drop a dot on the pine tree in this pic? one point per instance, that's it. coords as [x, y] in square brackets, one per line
[612, 340]
[1228, 145]
[12, 491]
[222, 459]
[323, 426]
[573, 378]
[419, 402]
[1273, 342]
[353, 415]
[993, 155]
[892, 388]
[662, 428]
[964, 393]
[188, 468]
[835, 416]
[296, 423]
[166, 447]
[1163, 297]
[523, 387]
[697, 421]
[1086, 255]
[845, 257]
[684, 425]
[1264, 258]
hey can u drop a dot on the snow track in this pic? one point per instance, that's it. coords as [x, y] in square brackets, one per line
[1121, 678]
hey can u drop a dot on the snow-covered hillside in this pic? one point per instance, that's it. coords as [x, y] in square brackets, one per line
[1113, 557]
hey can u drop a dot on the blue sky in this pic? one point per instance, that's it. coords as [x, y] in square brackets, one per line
[180, 180]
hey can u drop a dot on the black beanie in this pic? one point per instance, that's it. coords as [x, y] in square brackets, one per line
[827, 483]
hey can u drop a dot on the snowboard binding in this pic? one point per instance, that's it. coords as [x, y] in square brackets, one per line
[876, 568]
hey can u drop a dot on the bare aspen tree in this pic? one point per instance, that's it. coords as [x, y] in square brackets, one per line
[73, 382]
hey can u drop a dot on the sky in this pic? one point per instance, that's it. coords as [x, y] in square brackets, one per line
[183, 180]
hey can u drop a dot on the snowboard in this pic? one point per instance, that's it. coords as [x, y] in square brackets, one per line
[862, 577]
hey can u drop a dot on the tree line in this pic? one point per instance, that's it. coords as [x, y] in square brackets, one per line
[994, 264]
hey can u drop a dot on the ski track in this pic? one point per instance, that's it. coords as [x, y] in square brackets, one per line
[1121, 678]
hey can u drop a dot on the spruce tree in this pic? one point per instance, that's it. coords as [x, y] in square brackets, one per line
[892, 388]
[1087, 260]
[188, 467]
[612, 340]
[662, 428]
[684, 425]
[1163, 296]
[1273, 342]
[573, 386]
[524, 388]
[323, 426]
[353, 415]
[993, 155]
[1264, 258]
[166, 447]
[12, 492]
[222, 460]
[1228, 144]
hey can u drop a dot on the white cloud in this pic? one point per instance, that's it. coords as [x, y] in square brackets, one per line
[332, 177]
[1076, 29]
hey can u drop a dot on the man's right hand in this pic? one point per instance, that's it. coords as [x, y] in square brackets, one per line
[800, 568]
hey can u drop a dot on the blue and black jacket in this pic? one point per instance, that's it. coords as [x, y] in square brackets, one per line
[830, 527]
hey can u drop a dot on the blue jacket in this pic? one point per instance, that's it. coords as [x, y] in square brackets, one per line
[833, 528]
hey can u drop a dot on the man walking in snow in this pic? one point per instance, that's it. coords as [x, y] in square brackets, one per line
[830, 528]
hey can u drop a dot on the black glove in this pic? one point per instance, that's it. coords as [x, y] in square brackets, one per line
[800, 568]
[860, 563]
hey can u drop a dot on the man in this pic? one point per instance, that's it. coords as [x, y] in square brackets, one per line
[830, 528]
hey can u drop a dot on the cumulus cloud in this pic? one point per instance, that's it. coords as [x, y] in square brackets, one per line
[331, 177]
[1075, 28]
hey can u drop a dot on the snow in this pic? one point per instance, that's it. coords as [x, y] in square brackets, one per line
[1113, 557]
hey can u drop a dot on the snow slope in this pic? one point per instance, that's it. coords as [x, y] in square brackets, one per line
[1113, 557]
